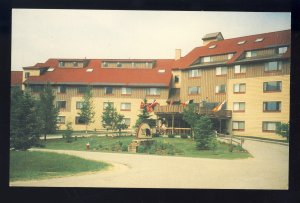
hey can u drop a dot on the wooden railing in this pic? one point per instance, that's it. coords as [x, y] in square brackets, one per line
[203, 111]
[178, 131]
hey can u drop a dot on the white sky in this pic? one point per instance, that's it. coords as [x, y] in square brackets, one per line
[40, 34]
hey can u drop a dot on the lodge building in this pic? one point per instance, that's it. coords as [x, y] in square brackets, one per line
[250, 73]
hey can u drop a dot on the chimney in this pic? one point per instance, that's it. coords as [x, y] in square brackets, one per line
[177, 54]
[216, 36]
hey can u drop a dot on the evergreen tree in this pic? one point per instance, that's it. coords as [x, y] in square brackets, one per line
[68, 132]
[112, 119]
[283, 129]
[204, 134]
[189, 115]
[144, 117]
[48, 112]
[87, 113]
[24, 123]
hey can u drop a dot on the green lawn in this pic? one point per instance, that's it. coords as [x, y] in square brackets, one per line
[179, 147]
[27, 165]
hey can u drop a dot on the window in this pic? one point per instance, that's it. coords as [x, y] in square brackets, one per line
[274, 86]
[239, 69]
[153, 91]
[27, 74]
[212, 46]
[221, 70]
[206, 59]
[176, 79]
[49, 70]
[75, 64]
[268, 126]
[105, 64]
[238, 125]
[89, 70]
[194, 90]
[61, 89]
[272, 106]
[108, 90]
[105, 104]
[82, 89]
[220, 88]
[126, 121]
[61, 64]
[282, 50]
[239, 106]
[239, 88]
[61, 120]
[125, 106]
[61, 104]
[119, 64]
[259, 39]
[194, 73]
[273, 66]
[229, 56]
[126, 90]
[37, 88]
[79, 104]
[250, 54]
[241, 42]
[79, 121]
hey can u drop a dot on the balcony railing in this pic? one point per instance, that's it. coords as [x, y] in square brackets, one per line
[173, 109]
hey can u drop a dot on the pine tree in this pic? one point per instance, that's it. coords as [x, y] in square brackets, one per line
[24, 123]
[144, 117]
[48, 112]
[87, 113]
[204, 134]
[190, 116]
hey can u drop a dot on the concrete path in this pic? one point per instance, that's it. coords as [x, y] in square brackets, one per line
[267, 170]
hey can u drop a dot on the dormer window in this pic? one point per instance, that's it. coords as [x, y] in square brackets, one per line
[119, 64]
[282, 50]
[229, 56]
[259, 39]
[61, 63]
[132, 64]
[75, 64]
[250, 54]
[206, 59]
[105, 64]
[241, 42]
[212, 46]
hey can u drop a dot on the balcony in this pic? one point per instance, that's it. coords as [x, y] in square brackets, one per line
[178, 109]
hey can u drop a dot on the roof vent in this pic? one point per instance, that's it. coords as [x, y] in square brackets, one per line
[89, 70]
[259, 39]
[241, 42]
[161, 70]
[50, 69]
[212, 46]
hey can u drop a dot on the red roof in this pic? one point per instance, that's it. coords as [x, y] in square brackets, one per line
[231, 46]
[108, 76]
[16, 78]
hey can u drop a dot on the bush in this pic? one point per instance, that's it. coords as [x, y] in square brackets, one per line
[124, 148]
[141, 149]
[184, 136]
[171, 136]
[67, 134]
[155, 134]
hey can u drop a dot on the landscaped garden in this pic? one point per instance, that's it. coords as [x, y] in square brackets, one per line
[162, 146]
[28, 165]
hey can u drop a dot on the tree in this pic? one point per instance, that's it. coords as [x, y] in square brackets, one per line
[48, 112]
[283, 129]
[112, 119]
[24, 124]
[144, 117]
[189, 115]
[68, 132]
[87, 113]
[204, 134]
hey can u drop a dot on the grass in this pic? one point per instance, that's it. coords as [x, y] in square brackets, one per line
[27, 165]
[180, 147]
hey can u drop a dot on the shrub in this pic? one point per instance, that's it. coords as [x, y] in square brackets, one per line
[124, 148]
[68, 132]
[155, 134]
[171, 136]
[141, 149]
[184, 136]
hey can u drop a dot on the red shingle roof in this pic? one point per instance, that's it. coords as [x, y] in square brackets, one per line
[108, 76]
[16, 78]
[231, 46]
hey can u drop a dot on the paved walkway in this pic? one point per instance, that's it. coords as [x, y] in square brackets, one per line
[267, 170]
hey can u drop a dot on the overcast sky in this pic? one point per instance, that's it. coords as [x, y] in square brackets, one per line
[40, 34]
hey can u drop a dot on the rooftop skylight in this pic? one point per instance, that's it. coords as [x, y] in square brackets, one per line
[242, 42]
[50, 69]
[259, 39]
[161, 70]
[212, 46]
[89, 70]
